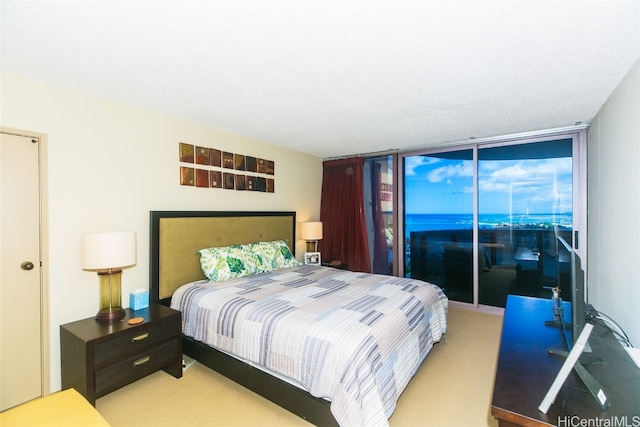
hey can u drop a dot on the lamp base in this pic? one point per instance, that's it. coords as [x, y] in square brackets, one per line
[110, 314]
[110, 291]
[312, 246]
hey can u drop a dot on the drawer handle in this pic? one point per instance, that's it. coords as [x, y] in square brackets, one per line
[140, 337]
[142, 361]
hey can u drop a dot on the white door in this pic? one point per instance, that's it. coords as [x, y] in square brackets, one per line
[20, 271]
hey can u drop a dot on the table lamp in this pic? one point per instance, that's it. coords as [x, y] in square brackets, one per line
[108, 253]
[311, 232]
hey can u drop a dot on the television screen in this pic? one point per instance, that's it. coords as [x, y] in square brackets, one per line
[571, 281]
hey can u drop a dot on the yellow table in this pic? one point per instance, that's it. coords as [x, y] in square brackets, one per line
[64, 409]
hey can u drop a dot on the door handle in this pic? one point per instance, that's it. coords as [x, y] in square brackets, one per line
[27, 265]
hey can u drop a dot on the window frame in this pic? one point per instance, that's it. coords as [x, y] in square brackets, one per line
[578, 135]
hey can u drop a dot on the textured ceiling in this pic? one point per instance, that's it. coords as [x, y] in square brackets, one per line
[335, 78]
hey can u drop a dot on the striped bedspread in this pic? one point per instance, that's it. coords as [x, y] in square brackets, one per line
[353, 338]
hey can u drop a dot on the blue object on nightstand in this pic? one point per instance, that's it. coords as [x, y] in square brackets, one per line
[139, 299]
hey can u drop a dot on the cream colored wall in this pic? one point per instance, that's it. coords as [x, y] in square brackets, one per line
[614, 206]
[109, 164]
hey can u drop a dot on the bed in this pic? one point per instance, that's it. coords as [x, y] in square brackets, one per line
[349, 375]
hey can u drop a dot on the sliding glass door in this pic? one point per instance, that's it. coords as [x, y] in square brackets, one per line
[525, 201]
[438, 220]
[483, 222]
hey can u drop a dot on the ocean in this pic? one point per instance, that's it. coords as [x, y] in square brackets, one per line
[431, 222]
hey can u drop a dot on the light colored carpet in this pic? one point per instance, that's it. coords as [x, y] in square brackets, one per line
[453, 387]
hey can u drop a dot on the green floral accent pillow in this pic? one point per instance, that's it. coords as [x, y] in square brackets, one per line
[273, 255]
[228, 262]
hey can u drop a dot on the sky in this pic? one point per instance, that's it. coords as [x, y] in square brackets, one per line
[524, 186]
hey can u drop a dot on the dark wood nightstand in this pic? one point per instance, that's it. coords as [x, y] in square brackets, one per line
[100, 357]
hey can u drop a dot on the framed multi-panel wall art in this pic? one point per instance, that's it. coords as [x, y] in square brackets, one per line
[212, 168]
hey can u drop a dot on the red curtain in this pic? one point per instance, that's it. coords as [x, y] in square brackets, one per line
[342, 214]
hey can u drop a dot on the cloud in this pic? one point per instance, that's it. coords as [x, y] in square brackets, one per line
[457, 170]
[414, 162]
[525, 176]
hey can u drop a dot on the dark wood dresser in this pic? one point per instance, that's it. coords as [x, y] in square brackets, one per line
[525, 371]
[100, 357]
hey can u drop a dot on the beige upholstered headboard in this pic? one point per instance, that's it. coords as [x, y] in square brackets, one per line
[176, 236]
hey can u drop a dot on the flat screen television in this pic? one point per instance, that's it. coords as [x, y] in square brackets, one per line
[571, 281]
[571, 278]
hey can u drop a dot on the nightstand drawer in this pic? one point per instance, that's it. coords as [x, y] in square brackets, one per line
[135, 341]
[135, 367]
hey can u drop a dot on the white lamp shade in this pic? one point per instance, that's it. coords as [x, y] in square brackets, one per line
[101, 251]
[311, 231]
